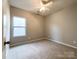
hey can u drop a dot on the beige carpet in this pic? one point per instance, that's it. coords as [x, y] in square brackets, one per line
[43, 49]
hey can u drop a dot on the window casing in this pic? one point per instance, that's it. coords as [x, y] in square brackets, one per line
[19, 26]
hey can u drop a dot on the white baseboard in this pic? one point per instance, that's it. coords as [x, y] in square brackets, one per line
[64, 44]
[42, 39]
[19, 43]
[37, 40]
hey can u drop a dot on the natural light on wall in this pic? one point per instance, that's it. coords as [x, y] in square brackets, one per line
[19, 26]
[4, 25]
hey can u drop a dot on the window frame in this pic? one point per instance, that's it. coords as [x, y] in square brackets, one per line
[12, 27]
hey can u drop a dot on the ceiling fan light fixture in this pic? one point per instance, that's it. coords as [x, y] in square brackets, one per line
[44, 10]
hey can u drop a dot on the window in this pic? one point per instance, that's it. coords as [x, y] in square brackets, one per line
[19, 26]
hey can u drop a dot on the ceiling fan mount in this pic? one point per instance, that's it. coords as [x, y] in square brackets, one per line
[45, 1]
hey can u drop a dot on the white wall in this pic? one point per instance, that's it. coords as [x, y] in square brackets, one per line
[62, 25]
[34, 25]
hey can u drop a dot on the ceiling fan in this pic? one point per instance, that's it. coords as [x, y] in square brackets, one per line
[45, 7]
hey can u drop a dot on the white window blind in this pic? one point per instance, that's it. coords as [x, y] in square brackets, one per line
[19, 26]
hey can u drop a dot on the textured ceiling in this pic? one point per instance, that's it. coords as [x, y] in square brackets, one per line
[34, 5]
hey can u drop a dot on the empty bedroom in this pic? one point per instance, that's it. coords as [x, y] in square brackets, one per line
[39, 29]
